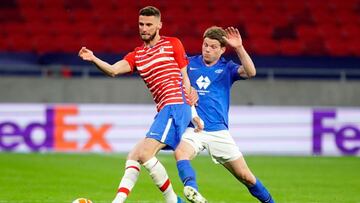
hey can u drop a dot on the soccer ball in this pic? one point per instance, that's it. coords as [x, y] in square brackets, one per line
[82, 200]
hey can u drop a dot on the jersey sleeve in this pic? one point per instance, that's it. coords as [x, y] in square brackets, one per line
[130, 58]
[179, 53]
[234, 67]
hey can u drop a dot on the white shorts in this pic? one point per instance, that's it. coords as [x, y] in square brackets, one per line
[220, 145]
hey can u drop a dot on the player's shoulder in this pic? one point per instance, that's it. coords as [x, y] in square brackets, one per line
[173, 40]
[195, 58]
[228, 63]
[138, 48]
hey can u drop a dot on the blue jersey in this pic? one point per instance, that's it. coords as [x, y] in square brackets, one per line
[213, 84]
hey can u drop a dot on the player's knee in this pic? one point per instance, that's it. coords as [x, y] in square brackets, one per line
[178, 154]
[182, 153]
[145, 155]
[140, 155]
[132, 156]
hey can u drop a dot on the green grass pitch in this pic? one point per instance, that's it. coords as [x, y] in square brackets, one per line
[61, 178]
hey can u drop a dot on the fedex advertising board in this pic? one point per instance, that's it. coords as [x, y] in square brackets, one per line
[117, 128]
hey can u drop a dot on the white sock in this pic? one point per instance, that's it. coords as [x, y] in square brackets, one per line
[161, 179]
[131, 174]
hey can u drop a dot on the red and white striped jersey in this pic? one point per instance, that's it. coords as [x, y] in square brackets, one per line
[159, 66]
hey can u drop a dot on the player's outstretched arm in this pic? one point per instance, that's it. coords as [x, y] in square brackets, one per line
[234, 40]
[118, 68]
[195, 119]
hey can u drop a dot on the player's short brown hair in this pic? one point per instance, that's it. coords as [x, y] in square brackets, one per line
[216, 33]
[150, 11]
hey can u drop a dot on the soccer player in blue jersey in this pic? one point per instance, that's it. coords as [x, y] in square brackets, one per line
[213, 76]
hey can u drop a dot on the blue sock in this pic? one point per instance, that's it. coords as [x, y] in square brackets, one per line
[187, 173]
[260, 192]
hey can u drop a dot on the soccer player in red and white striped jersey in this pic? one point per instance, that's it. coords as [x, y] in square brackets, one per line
[161, 62]
[160, 66]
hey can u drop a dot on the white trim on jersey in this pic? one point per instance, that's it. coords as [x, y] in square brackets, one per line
[160, 104]
[159, 91]
[166, 131]
[166, 91]
[144, 74]
[159, 72]
[156, 84]
[154, 56]
[153, 51]
[159, 44]
[165, 58]
[172, 74]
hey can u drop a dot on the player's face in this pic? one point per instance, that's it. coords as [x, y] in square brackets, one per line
[149, 27]
[211, 51]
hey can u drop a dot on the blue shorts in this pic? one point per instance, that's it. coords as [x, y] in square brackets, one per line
[169, 124]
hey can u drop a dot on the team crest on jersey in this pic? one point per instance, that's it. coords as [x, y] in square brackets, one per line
[218, 71]
[203, 82]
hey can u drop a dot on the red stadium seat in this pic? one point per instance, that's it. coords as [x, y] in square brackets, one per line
[329, 31]
[226, 17]
[350, 31]
[26, 4]
[192, 45]
[121, 44]
[314, 47]
[259, 31]
[316, 5]
[68, 43]
[37, 28]
[78, 4]
[263, 46]
[324, 17]
[276, 18]
[277, 6]
[291, 47]
[336, 47]
[294, 6]
[45, 44]
[30, 14]
[10, 15]
[18, 42]
[61, 28]
[354, 47]
[341, 5]
[13, 28]
[307, 33]
[346, 17]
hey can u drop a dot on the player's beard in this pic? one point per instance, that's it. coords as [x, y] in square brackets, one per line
[150, 38]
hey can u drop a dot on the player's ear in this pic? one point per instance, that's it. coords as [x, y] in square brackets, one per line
[160, 25]
[223, 49]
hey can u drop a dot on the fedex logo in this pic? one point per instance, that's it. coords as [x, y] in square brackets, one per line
[345, 135]
[54, 128]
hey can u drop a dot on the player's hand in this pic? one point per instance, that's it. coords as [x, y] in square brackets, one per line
[193, 97]
[233, 37]
[86, 54]
[198, 123]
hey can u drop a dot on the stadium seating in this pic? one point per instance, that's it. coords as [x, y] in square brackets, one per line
[282, 27]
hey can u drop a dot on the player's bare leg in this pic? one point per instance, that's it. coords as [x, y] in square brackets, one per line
[242, 172]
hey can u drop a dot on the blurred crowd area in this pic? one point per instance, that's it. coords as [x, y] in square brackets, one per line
[269, 27]
[276, 33]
